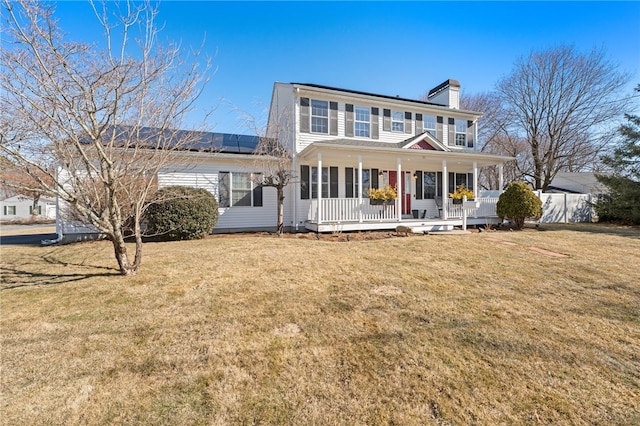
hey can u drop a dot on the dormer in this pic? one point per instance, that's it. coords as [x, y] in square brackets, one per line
[446, 93]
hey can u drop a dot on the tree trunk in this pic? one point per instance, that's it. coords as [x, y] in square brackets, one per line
[120, 248]
[280, 228]
[120, 252]
[34, 206]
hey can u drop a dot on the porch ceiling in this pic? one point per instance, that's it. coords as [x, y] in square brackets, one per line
[411, 159]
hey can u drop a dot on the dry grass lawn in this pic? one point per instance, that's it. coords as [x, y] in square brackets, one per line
[474, 329]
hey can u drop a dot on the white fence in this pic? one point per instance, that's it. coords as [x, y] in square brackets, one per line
[565, 208]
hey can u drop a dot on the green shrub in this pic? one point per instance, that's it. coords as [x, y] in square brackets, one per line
[517, 203]
[181, 213]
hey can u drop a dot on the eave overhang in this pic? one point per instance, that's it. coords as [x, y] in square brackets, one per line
[310, 153]
[372, 97]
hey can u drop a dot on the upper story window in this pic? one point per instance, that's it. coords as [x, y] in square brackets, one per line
[362, 123]
[397, 121]
[429, 124]
[319, 116]
[461, 132]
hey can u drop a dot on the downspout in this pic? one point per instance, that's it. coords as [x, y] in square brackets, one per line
[58, 222]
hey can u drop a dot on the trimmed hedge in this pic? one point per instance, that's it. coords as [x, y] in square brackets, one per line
[181, 213]
[517, 203]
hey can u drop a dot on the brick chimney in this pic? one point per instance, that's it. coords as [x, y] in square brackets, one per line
[446, 93]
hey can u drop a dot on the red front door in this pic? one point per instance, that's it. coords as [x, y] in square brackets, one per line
[406, 189]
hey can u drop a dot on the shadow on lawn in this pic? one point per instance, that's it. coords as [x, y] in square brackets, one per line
[12, 277]
[594, 228]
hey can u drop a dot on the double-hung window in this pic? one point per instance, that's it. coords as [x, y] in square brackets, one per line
[309, 182]
[429, 124]
[9, 210]
[239, 189]
[429, 185]
[362, 123]
[319, 116]
[397, 121]
[461, 132]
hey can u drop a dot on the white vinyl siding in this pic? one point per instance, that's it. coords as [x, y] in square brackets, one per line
[230, 218]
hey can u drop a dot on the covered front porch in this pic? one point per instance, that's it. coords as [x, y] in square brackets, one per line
[352, 214]
[339, 174]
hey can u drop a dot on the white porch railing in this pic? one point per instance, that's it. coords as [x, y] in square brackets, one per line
[352, 210]
[487, 208]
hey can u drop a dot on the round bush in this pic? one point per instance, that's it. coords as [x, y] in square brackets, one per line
[517, 203]
[181, 213]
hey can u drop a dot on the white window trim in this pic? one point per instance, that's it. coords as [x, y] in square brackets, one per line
[230, 190]
[400, 122]
[356, 121]
[312, 116]
[457, 132]
[432, 131]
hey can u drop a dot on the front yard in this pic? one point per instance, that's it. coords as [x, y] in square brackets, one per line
[488, 328]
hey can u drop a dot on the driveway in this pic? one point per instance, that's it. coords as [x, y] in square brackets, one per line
[26, 234]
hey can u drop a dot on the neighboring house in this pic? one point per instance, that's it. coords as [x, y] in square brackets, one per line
[358, 141]
[21, 207]
[576, 183]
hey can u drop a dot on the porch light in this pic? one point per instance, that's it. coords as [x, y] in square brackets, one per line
[415, 176]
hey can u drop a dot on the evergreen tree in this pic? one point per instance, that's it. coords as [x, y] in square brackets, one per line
[623, 200]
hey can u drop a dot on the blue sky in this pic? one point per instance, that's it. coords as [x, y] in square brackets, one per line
[391, 48]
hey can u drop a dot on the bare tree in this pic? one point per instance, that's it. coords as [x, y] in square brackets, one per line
[494, 138]
[104, 116]
[274, 154]
[562, 103]
[274, 164]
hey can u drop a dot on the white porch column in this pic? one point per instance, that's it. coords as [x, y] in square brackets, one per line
[360, 188]
[319, 191]
[476, 190]
[399, 198]
[294, 195]
[500, 177]
[445, 189]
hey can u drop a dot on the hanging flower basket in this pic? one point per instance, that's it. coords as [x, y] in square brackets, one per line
[461, 192]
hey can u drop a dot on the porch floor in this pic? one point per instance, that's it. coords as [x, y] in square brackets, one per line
[417, 225]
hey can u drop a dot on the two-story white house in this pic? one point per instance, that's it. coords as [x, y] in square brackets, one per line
[347, 142]
[343, 143]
